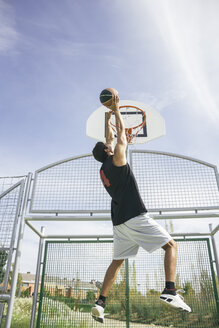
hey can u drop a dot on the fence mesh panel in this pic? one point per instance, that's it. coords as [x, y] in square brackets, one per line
[8, 219]
[7, 182]
[73, 276]
[193, 275]
[73, 273]
[165, 182]
[168, 182]
[73, 185]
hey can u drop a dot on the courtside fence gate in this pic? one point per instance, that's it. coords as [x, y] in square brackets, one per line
[172, 187]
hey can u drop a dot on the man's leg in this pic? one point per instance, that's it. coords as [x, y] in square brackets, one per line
[110, 276]
[98, 310]
[169, 294]
[170, 260]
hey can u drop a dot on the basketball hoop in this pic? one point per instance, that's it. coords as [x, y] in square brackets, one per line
[134, 119]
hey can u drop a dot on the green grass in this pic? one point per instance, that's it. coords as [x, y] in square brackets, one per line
[21, 313]
[57, 314]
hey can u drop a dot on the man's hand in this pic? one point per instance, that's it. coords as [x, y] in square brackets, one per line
[115, 103]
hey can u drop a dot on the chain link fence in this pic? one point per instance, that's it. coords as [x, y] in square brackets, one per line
[167, 182]
[11, 189]
[73, 273]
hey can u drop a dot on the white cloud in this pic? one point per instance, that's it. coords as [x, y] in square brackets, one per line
[182, 28]
[166, 98]
[8, 34]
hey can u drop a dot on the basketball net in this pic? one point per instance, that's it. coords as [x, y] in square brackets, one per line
[134, 119]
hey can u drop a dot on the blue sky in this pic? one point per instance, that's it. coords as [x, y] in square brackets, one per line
[56, 57]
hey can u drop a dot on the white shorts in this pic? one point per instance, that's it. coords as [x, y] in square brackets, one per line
[141, 231]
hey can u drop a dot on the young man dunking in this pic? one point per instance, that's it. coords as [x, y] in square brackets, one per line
[132, 226]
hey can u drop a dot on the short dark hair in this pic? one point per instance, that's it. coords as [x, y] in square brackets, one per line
[98, 152]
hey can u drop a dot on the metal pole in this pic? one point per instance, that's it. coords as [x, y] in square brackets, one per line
[214, 251]
[162, 216]
[13, 237]
[2, 306]
[127, 293]
[37, 279]
[18, 254]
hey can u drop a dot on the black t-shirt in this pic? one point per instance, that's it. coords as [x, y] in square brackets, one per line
[121, 185]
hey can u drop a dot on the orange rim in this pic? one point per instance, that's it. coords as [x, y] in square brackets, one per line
[128, 131]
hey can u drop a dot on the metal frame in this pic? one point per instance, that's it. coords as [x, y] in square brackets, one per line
[11, 298]
[70, 216]
[159, 210]
[170, 213]
[37, 280]
[191, 159]
[108, 238]
[160, 216]
[28, 215]
[131, 151]
[44, 168]
[10, 249]
[210, 234]
[213, 274]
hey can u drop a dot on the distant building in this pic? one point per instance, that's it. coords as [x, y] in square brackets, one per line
[56, 286]
[74, 288]
[28, 282]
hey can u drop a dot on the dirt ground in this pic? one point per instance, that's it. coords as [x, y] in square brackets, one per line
[111, 323]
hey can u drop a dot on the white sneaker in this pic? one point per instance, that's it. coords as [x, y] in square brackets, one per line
[97, 313]
[175, 300]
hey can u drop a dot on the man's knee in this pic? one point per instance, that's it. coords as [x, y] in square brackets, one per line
[170, 244]
[117, 263]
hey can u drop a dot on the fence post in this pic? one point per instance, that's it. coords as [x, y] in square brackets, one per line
[2, 306]
[127, 292]
[42, 286]
[18, 254]
[214, 251]
[37, 279]
[213, 276]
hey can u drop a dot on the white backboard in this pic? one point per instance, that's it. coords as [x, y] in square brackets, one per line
[154, 128]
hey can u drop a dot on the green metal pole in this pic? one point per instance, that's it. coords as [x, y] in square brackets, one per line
[42, 286]
[213, 276]
[127, 293]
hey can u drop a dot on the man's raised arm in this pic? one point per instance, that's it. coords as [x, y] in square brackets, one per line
[119, 158]
[109, 134]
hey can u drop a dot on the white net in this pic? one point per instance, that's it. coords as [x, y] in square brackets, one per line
[134, 121]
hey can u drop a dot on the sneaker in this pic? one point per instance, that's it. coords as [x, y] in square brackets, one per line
[175, 300]
[97, 312]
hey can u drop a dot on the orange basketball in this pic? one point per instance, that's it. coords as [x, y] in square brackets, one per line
[106, 96]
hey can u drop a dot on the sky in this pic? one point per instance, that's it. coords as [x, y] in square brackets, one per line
[56, 57]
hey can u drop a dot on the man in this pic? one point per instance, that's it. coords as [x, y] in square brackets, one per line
[132, 226]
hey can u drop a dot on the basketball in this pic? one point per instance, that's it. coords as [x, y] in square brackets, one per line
[106, 96]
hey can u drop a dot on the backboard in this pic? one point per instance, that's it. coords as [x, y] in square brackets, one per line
[154, 127]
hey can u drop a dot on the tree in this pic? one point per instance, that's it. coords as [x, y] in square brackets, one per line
[169, 226]
[91, 296]
[118, 290]
[3, 261]
[19, 281]
[133, 282]
[77, 286]
[153, 292]
[206, 285]
[177, 281]
[25, 293]
[189, 291]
